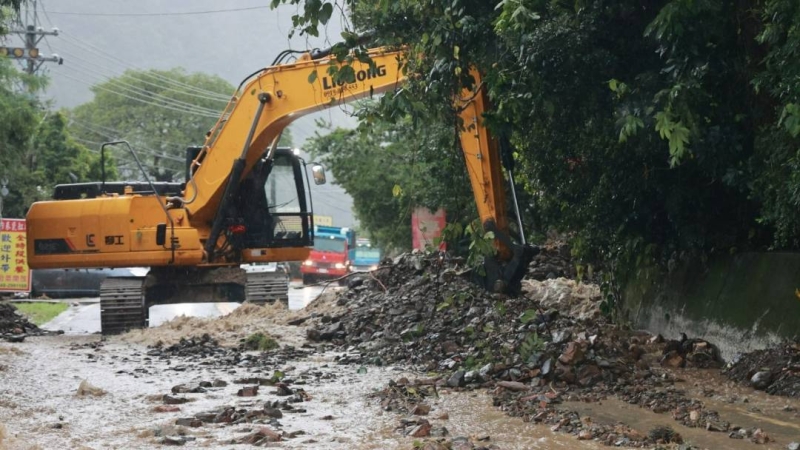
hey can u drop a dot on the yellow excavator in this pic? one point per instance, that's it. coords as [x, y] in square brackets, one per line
[245, 200]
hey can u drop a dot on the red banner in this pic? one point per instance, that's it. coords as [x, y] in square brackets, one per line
[426, 227]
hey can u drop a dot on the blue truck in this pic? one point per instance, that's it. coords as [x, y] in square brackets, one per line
[367, 257]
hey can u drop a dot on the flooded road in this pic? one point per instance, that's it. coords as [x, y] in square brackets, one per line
[39, 405]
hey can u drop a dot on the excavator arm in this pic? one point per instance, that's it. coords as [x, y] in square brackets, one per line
[270, 100]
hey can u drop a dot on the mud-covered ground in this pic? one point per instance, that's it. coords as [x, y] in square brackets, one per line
[413, 358]
[85, 392]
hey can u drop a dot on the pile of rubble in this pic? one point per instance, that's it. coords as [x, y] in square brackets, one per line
[553, 261]
[534, 350]
[205, 350]
[775, 370]
[13, 326]
[420, 313]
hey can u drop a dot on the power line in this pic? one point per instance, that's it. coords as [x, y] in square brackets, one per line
[119, 135]
[147, 95]
[31, 34]
[126, 163]
[87, 47]
[178, 13]
[143, 74]
[137, 99]
[116, 78]
[114, 133]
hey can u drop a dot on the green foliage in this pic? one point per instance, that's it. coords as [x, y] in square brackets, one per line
[260, 341]
[40, 313]
[37, 150]
[277, 376]
[530, 346]
[690, 146]
[481, 246]
[528, 316]
[390, 167]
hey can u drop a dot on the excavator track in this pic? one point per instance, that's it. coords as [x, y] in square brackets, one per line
[122, 305]
[267, 287]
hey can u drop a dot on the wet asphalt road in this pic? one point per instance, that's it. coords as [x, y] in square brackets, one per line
[85, 318]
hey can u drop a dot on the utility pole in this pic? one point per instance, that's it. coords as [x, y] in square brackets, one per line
[30, 30]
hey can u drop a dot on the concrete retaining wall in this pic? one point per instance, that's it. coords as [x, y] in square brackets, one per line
[741, 303]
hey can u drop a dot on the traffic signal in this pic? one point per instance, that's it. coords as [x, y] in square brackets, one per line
[19, 52]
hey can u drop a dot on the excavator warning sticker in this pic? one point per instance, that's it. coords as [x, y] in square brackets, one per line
[14, 272]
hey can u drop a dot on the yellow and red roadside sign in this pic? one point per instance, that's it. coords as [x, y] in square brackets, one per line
[14, 273]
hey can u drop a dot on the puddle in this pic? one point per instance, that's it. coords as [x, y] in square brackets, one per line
[472, 414]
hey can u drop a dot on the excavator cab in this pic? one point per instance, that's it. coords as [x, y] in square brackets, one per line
[273, 203]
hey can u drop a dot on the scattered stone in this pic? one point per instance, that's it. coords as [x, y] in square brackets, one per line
[260, 437]
[14, 327]
[572, 355]
[171, 400]
[421, 410]
[86, 389]
[166, 408]
[421, 430]
[188, 422]
[761, 380]
[173, 440]
[457, 379]
[248, 391]
[774, 370]
[673, 359]
[665, 435]
[15, 338]
[439, 432]
[283, 390]
[513, 385]
[760, 437]
[275, 413]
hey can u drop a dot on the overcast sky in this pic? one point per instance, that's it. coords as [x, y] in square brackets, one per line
[99, 39]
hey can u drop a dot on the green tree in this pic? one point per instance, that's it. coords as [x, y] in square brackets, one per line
[52, 157]
[160, 113]
[7, 6]
[389, 168]
[647, 129]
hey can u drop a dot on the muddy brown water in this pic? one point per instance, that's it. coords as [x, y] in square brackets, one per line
[741, 406]
[37, 391]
